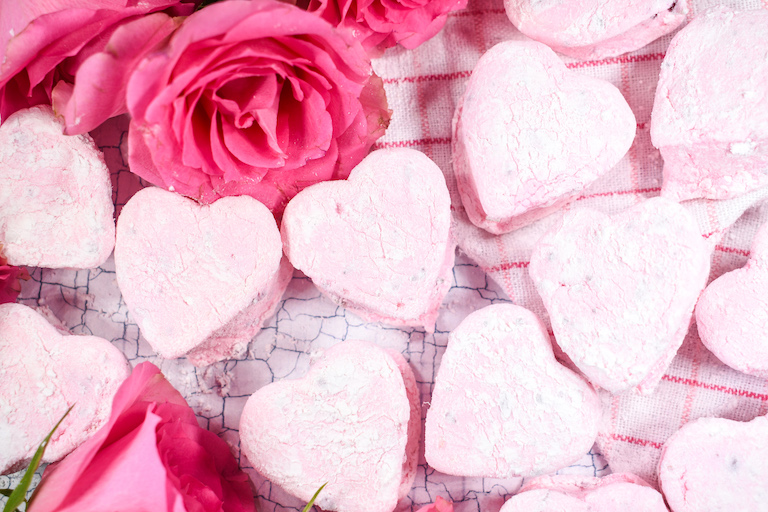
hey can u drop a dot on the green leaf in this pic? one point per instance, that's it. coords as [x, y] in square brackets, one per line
[6, 492]
[16, 498]
[312, 501]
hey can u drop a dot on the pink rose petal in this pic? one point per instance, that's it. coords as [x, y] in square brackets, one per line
[44, 43]
[99, 88]
[256, 98]
[150, 457]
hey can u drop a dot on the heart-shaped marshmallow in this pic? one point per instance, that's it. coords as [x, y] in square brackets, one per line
[56, 206]
[502, 405]
[732, 313]
[596, 29]
[710, 115]
[529, 135]
[717, 465]
[620, 290]
[42, 374]
[353, 421]
[379, 244]
[199, 280]
[614, 493]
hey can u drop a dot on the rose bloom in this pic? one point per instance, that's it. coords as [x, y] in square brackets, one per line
[77, 54]
[254, 98]
[150, 457]
[380, 24]
[440, 505]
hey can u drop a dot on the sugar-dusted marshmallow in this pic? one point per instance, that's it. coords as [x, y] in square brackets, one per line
[620, 492]
[502, 405]
[353, 421]
[596, 29]
[379, 243]
[716, 465]
[42, 374]
[732, 313]
[529, 135]
[620, 290]
[56, 206]
[710, 114]
[199, 280]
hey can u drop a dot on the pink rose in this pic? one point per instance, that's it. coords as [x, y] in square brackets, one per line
[440, 505]
[150, 457]
[77, 54]
[9, 280]
[380, 24]
[254, 98]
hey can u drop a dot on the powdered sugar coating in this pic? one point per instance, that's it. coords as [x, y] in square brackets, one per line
[43, 373]
[198, 280]
[613, 493]
[231, 340]
[379, 244]
[411, 457]
[502, 405]
[596, 29]
[529, 135]
[620, 290]
[710, 114]
[732, 313]
[716, 465]
[56, 206]
[349, 422]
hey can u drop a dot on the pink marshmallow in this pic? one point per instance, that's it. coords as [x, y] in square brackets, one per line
[716, 465]
[56, 206]
[199, 280]
[732, 313]
[596, 29]
[43, 373]
[710, 114]
[620, 290]
[353, 421]
[378, 244]
[620, 492]
[529, 135]
[502, 405]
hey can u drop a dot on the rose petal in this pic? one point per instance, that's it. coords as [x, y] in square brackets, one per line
[197, 130]
[209, 474]
[231, 167]
[257, 98]
[151, 456]
[145, 384]
[440, 505]
[241, 142]
[380, 24]
[9, 281]
[247, 94]
[141, 157]
[304, 128]
[117, 472]
[44, 42]
[275, 190]
[55, 32]
[100, 82]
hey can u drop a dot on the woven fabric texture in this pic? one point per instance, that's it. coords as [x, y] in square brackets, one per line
[423, 87]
